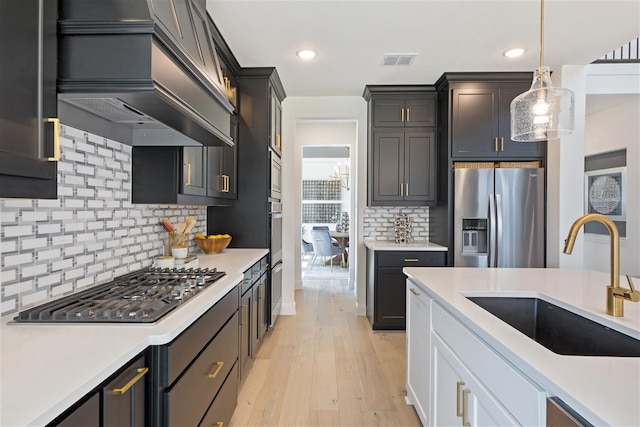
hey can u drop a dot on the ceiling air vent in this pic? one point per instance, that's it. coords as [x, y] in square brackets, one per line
[398, 58]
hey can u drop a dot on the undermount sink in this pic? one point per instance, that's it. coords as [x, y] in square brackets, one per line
[559, 330]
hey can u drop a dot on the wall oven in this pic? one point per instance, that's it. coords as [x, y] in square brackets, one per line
[276, 176]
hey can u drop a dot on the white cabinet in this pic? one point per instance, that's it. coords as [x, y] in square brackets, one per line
[472, 382]
[458, 398]
[418, 350]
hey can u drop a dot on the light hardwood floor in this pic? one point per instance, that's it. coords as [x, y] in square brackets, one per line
[326, 367]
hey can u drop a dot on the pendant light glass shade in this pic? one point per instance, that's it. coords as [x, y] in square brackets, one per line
[543, 112]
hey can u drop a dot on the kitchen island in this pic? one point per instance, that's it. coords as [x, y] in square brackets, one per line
[46, 368]
[603, 390]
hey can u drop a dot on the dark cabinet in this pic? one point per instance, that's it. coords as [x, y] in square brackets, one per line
[275, 113]
[121, 401]
[404, 111]
[386, 284]
[402, 146]
[403, 165]
[253, 321]
[197, 365]
[222, 168]
[30, 144]
[481, 122]
[177, 175]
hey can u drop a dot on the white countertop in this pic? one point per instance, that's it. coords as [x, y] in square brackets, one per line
[604, 390]
[390, 245]
[45, 368]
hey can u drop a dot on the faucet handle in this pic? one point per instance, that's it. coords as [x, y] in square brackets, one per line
[632, 294]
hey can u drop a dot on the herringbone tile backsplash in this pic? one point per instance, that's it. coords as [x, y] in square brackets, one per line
[89, 235]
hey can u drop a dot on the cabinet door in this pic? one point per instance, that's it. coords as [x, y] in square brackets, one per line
[124, 397]
[28, 98]
[246, 304]
[193, 170]
[420, 112]
[388, 111]
[418, 350]
[262, 306]
[255, 319]
[230, 162]
[390, 299]
[508, 147]
[216, 182]
[85, 415]
[276, 124]
[388, 167]
[474, 130]
[419, 166]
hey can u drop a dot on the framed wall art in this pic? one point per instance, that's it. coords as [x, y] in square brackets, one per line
[605, 192]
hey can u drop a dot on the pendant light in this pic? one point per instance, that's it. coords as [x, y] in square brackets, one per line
[544, 111]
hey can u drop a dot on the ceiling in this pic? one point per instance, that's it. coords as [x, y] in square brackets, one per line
[351, 37]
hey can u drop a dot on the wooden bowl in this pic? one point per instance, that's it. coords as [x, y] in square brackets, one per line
[213, 246]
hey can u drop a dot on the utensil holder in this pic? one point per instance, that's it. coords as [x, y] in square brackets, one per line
[176, 239]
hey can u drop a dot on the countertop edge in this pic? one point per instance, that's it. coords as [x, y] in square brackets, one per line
[389, 245]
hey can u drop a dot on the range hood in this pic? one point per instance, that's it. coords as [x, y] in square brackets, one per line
[143, 72]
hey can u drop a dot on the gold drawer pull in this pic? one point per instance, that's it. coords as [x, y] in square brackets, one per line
[132, 382]
[188, 165]
[502, 143]
[217, 371]
[56, 139]
[413, 291]
[408, 115]
[465, 394]
[219, 424]
[495, 144]
[459, 385]
[402, 115]
[411, 260]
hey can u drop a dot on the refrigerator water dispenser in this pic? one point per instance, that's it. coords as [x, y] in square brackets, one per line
[474, 235]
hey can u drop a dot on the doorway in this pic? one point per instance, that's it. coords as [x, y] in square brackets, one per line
[326, 204]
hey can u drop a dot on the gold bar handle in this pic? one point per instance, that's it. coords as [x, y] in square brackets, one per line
[410, 260]
[408, 115]
[217, 371]
[132, 382]
[219, 424]
[465, 399]
[406, 191]
[278, 141]
[402, 190]
[227, 185]
[244, 321]
[459, 385]
[502, 143]
[56, 139]
[188, 165]
[413, 291]
[495, 144]
[402, 115]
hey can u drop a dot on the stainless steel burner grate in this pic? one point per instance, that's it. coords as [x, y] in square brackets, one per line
[143, 296]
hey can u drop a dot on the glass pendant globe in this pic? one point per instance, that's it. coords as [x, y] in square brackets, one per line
[543, 112]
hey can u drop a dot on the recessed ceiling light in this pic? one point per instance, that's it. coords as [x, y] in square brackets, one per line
[306, 54]
[514, 53]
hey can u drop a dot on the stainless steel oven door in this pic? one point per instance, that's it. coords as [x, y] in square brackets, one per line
[276, 176]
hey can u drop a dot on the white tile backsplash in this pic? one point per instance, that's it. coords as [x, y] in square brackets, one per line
[379, 222]
[89, 235]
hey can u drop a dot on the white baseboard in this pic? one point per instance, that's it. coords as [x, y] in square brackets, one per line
[288, 309]
[361, 310]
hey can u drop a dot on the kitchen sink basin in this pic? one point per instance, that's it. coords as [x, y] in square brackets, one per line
[559, 330]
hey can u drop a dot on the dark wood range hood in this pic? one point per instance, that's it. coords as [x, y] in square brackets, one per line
[142, 72]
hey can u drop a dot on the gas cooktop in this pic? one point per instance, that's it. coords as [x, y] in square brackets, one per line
[143, 296]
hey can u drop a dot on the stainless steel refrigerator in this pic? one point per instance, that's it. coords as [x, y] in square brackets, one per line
[499, 214]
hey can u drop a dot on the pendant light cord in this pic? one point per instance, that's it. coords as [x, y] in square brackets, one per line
[541, 33]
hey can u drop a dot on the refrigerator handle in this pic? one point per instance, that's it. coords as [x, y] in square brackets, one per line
[498, 228]
[491, 230]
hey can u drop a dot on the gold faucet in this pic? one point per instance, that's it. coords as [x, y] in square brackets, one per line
[615, 294]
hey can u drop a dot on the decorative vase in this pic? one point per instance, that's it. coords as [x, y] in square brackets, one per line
[403, 228]
[343, 225]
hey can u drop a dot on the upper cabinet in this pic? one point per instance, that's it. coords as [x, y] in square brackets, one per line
[222, 168]
[402, 145]
[480, 116]
[404, 111]
[30, 145]
[275, 136]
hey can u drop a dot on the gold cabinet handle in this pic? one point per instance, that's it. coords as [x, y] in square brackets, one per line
[495, 144]
[411, 260]
[502, 143]
[219, 424]
[465, 398]
[459, 385]
[188, 165]
[56, 139]
[413, 291]
[217, 371]
[406, 191]
[278, 141]
[132, 381]
[243, 321]
[402, 115]
[408, 115]
[226, 183]
[402, 190]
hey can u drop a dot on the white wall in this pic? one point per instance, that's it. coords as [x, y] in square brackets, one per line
[615, 128]
[319, 114]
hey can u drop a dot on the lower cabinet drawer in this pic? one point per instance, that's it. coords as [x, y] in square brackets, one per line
[221, 411]
[411, 259]
[189, 398]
